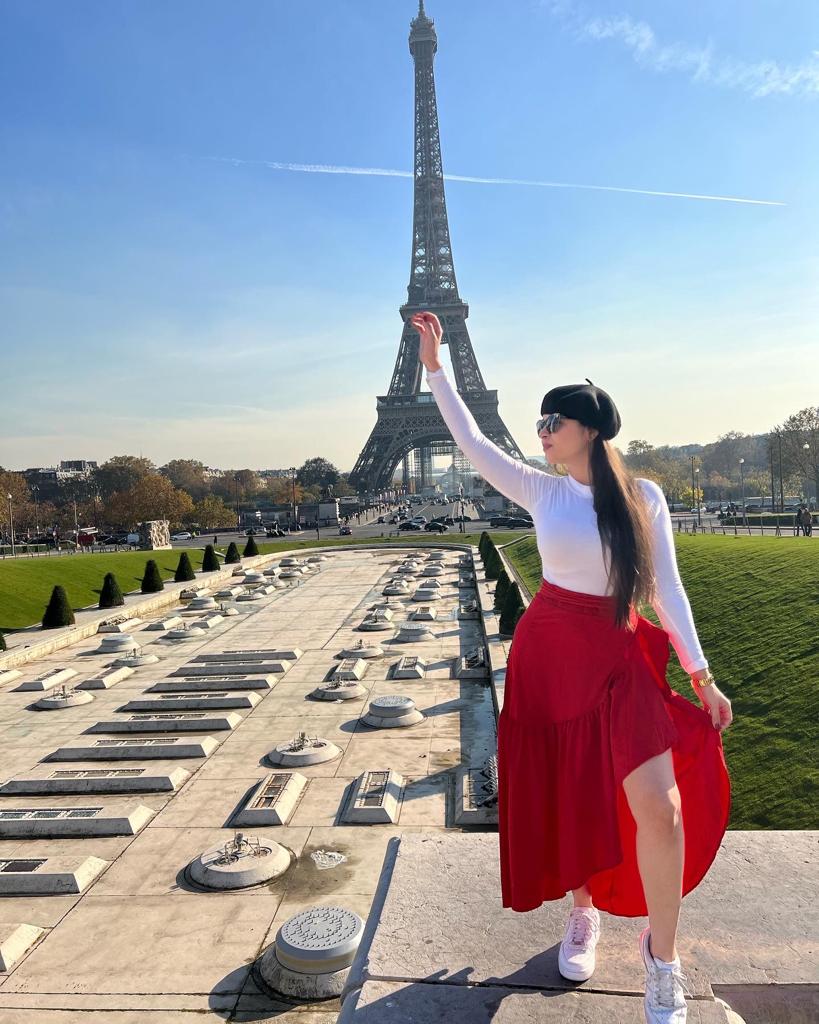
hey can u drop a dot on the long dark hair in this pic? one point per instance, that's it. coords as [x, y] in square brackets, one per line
[625, 529]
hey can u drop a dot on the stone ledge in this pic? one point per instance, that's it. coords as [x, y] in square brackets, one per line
[393, 1002]
[437, 924]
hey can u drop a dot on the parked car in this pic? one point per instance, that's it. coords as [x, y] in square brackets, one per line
[448, 520]
[345, 531]
[409, 525]
[275, 531]
[463, 519]
[519, 524]
[379, 520]
[175, 536]
[436, 527]
[419, 519]
[496, 521]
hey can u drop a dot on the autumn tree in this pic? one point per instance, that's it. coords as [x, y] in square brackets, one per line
[121, 473]
[152, 497]
[187, 475]
[317, 472]
[213, 514]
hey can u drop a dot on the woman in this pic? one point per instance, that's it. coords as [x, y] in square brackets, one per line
[600, 762]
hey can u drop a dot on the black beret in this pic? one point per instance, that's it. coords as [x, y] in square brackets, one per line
[587, 403]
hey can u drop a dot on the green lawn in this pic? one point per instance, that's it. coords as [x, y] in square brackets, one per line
[755, 602]
[26, 583]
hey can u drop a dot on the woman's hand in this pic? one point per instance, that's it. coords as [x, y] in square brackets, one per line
[716, 703]
[430, 333]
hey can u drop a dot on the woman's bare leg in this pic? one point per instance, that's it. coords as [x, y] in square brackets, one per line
[582, 897]
[654, 800]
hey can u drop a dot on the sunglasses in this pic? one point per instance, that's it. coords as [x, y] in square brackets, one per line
[550, 423]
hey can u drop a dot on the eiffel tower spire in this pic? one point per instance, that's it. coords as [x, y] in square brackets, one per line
[406, 419]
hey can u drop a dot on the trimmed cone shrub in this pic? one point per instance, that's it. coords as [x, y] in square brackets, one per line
[110, 595]
[184, 571]
[232, 554]
[152, 580]
[482, 543]
[251, 548]
[501, 590]
[493, 566]
[2, 642]
[58, 611]
[210, 563]
[512, 610]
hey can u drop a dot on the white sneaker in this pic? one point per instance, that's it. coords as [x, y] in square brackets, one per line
[664, 1001]
[575, 959]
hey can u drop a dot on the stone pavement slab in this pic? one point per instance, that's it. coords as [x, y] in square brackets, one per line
[438, 922]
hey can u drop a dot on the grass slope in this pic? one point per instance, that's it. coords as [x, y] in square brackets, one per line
[755, 603]
[26, 583]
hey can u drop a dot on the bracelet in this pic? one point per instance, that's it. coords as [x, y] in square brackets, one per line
[707, 680]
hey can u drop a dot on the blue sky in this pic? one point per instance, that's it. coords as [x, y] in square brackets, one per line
[165, 291]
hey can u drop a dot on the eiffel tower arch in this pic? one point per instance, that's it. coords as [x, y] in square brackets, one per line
[408, 418]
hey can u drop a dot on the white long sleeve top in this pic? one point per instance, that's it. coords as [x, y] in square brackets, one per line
[568, 540]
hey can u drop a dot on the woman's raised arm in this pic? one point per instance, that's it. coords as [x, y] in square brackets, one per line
[517, 480]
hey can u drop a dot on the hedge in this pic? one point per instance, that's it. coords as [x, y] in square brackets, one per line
[184, 571]
[110, 595]
[58, 611]
[501, 590]
[210, 563]
[152, 580]
[512, 610]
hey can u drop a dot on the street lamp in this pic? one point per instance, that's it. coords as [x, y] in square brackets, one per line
[236, 492]
[11, 525]
[36, 492]
[293, 470]
[742, 481]
[806, 449]
[699, 517]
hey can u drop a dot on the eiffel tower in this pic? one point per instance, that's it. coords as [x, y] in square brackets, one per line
[408, 419]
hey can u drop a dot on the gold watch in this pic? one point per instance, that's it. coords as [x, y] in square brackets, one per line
[707, 680]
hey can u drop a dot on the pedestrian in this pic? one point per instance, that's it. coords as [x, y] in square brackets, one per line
[599, 760]
[807, 521]
[215, 539]
[797, 522]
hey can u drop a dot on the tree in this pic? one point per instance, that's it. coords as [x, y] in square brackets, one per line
[152, 497]
[512, 610]
[184, 571]
[121, 473]
[213, 514]
[251, 548]
[501, 590]
[232, 555]
[152, 580]
[210, 563]
[22, 504]
[58, 611]
[187, 475]
[317, 472]
[492, 564]
[110, 595]
[279, 491]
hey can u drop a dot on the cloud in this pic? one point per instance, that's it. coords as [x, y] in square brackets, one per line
[757, 79]
[390, 173]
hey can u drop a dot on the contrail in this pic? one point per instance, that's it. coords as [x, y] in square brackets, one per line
[390, 173]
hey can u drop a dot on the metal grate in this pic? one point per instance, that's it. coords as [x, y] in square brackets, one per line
[96, 773]
[21, 865]
[375, 786]
[48, 813]
[135, 742]
[272, 791]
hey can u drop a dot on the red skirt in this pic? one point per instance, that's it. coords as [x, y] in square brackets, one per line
[585, 703]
